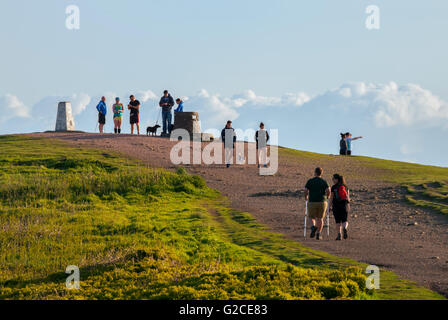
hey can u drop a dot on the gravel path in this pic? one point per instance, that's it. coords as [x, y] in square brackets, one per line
[384, 230]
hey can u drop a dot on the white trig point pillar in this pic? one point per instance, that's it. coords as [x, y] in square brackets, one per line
[64, 119]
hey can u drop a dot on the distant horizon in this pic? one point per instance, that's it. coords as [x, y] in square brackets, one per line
[310, 69]
[143, 135]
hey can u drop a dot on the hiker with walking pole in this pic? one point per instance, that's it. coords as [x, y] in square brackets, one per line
[306, 218]
[317, 192]
[340, 204]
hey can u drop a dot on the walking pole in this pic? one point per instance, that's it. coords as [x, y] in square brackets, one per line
[328, 219]
[306, 218]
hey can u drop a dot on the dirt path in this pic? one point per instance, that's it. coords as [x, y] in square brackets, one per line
[384, 230]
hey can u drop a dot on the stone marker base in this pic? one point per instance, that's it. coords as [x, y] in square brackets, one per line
[207, 137]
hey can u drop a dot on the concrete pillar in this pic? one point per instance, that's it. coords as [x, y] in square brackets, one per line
[188, 121]
[64, 119]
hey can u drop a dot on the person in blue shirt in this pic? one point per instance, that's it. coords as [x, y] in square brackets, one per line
[349, 138]
[102, 111]
[180, 108]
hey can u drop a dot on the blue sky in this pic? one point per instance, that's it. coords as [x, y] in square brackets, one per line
[309, 68]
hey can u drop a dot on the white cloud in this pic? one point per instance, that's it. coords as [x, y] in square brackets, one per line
[213, 109]
[396, 120]
[146, 96]
[11, 107]
[79, 102]
[387, 104]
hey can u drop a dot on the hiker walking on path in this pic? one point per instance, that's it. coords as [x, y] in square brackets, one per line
[102, 111]
[317, 191]
[118, 111]
[340, 204]
[349, 138]
[134, 117]
[166, 103]
[228, 137]
[180, 107]
[343, 147]
[262, 138]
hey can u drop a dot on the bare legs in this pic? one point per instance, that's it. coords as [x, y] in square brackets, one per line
[117, 125]
[262, 156]
[340, 226]
[319, 224]
[138, 128]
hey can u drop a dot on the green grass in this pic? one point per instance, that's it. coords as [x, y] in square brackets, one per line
[427, 186]
[142, 233]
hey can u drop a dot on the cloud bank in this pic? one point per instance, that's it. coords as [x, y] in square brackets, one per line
[398, 121]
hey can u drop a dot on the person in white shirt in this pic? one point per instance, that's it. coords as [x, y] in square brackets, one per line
[262, 138]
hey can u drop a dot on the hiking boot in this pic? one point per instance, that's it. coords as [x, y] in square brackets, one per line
[318, 236]
[313, 232]
[339, 237]
[345, 233]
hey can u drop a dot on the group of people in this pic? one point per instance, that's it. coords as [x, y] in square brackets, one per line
[166, 103]
[345, 145]
[321, 197]
[318, 194]
[228, 137]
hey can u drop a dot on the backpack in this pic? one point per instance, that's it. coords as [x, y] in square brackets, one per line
[341, 194]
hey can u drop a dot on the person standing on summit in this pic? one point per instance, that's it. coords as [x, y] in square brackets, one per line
[166, 103]
[343, 146]
[228, 138]
[349, 138]
[134, 116]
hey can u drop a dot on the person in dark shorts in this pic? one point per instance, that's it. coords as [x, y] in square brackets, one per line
[134, 107]
[340, 204]
[317, 191]
[102, 111]
[343, 147]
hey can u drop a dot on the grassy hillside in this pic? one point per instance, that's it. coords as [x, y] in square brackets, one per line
[142, 233]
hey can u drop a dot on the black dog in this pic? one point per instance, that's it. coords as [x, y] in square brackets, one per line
[152, 130]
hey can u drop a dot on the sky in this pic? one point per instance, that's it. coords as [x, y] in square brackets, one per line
[310, 69]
